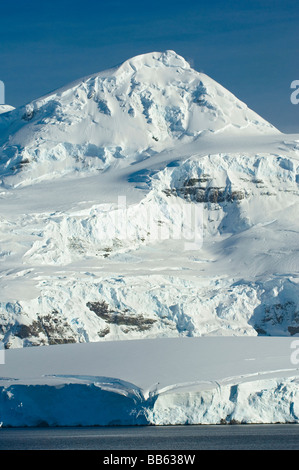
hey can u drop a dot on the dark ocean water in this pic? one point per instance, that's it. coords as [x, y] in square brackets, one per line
[238, 437]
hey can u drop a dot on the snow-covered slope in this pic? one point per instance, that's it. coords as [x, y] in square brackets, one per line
[147, 104]
[98, 179]
[77, 267]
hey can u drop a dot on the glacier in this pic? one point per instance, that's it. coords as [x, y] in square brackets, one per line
[82, 171]
[166, 381]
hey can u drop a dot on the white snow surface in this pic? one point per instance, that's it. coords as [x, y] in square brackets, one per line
[94, 180]
[68, 249]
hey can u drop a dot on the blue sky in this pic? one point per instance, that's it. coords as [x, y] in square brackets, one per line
[251, 47]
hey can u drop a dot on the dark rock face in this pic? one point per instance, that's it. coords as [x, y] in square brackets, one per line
[46, 330]
[101, 309]
[197, 190]
[28, 115]
[279, 316]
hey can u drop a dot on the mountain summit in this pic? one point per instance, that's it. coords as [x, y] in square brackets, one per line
[156, 98]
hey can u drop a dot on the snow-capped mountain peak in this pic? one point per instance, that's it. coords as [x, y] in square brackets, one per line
[156, 97]
[168, 58]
